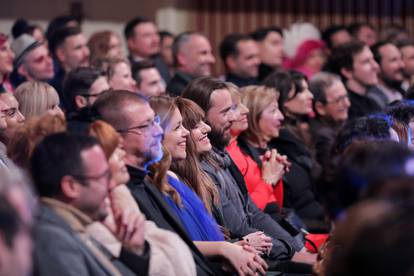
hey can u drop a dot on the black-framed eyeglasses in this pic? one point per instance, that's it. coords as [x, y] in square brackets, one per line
[106, 174]
[339, 100]
[142, 128]
[93, 95]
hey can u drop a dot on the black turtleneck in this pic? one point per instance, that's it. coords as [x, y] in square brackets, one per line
[241, 82]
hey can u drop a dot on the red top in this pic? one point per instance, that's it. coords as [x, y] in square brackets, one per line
[260, 192]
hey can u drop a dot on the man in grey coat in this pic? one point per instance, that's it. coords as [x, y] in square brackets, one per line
[72, 176]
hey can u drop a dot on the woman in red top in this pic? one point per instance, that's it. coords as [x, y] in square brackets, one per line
[262, 168]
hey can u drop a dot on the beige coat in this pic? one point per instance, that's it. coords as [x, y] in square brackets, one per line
[169, 254]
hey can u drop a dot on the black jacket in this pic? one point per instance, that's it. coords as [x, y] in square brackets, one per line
[361, 105]
[241, 82]
[299, 190]
[178, 82]
[155, 208]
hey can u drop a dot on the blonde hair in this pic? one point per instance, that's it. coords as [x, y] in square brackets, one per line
[256, 99]
[35, 98]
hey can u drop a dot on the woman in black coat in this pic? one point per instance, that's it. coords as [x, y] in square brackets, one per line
[295, 101]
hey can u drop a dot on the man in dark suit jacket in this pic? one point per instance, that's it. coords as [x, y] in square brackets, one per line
[193, 58]
[142, 137]
[72, 176]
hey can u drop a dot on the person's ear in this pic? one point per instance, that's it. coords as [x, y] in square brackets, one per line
[231, 63]
[70, 187]
[182, 60]
[320, 108]
[80, 101]
[22, 71]
[60, 54]
[346, 73]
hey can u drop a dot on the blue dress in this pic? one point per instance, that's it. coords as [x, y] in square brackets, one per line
[199, 224]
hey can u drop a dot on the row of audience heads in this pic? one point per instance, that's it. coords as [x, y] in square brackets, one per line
[184, 127]
[191, 52]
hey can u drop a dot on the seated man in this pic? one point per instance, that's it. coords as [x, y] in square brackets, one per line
[148, 79]
[240, 56]
[33, 61]
[193, 58]
[71, 175]
[16, 219]
[82, 87]
[142, 137]
[14, 118]
[331, 105]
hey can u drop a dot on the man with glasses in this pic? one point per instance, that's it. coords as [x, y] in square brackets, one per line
[331, 105]
[132, 116]
[12, 115]
[82, 87]
[72, 177]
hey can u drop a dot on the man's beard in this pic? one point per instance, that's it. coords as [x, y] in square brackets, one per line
[394, 84]
[218, 138]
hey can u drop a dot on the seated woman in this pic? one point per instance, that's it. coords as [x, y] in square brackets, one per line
[195, 218]
[265, 238]
[295, 102]
[262, 169]
[37, 98]
[191, 173]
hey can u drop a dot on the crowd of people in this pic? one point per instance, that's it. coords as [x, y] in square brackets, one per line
[296, 161]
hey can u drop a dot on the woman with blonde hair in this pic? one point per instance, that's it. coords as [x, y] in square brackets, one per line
[258, 122]
[37, 98]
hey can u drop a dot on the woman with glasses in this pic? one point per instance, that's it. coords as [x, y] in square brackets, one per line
[191, 211]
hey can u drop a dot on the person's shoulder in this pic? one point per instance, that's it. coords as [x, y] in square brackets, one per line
[49, 226]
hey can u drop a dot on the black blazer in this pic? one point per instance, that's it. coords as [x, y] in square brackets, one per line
[155, 208]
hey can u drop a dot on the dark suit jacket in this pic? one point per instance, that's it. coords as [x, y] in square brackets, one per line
[178, 82]
[58, 250]
[155, 208]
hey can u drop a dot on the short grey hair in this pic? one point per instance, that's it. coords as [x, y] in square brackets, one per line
[179, 41]
[319, 83]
